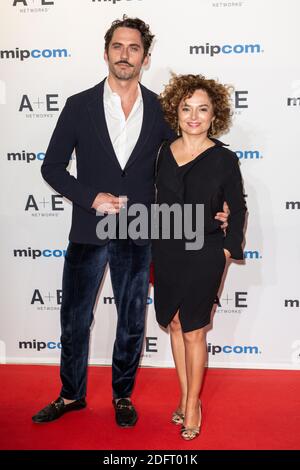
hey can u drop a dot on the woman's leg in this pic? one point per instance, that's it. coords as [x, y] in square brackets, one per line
[178, 350]
[195, 360]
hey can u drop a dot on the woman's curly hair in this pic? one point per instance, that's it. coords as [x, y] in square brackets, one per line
[184, 86]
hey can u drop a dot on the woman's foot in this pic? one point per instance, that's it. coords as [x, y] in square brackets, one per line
[178, 414]
[177, 417]
[190, 430]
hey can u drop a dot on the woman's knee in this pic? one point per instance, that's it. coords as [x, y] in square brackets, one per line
[195, 336]
[175, 324]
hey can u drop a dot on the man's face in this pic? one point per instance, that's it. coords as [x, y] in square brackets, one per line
[125, 56]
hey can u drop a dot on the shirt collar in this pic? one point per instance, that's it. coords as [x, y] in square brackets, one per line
[109, 94]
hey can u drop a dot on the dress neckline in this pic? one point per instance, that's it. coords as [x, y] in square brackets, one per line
[194, 159]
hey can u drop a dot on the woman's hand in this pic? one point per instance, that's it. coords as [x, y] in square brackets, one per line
[223, 216]
[227, 253]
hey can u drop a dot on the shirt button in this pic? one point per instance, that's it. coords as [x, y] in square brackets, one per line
[123, 174]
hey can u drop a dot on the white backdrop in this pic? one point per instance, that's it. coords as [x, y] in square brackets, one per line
[53, 49]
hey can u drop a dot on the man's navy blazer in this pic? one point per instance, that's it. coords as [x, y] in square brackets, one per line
[82, 126]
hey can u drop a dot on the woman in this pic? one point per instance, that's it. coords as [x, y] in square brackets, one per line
[195, 169]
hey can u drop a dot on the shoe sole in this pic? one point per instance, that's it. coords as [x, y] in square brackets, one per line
[127, 425]
[51, 420]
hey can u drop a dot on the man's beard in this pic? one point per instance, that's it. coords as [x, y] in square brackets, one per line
[123, 74]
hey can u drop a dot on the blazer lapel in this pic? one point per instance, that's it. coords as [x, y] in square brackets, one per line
[96, 111]
[148, 121]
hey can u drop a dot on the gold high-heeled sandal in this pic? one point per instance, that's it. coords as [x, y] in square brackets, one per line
[177, 417]
[190, 433]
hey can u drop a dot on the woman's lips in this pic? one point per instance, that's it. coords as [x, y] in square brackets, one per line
[193, 124]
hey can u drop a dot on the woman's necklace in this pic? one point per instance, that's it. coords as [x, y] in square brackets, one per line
[194, 153]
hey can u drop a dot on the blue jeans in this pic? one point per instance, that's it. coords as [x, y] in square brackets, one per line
[83, 271]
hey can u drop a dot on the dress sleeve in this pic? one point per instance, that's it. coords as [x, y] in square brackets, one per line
[235, 198]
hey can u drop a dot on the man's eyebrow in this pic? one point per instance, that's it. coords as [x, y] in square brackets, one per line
[120, 44]
[135, 45]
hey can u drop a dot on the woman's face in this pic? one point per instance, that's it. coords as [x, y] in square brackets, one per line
[195, 113]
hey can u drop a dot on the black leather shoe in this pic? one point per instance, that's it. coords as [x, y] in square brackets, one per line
[125, 413]
[56, 409]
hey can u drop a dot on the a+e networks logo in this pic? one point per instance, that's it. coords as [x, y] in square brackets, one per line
[40, 107]
[44, 207]
[33, 6]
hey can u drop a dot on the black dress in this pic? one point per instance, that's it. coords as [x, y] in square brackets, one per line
[188, 280]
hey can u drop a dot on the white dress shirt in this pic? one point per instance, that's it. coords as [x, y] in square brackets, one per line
[123, 133]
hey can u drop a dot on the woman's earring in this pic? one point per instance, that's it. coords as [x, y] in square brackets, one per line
[178, 129]
[212, 128]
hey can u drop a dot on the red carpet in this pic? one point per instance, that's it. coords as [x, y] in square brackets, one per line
[242, 409]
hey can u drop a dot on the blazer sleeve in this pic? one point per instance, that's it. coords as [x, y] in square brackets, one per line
[54, 168]
[234, 196]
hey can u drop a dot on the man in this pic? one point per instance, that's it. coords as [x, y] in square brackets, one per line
[116, 128]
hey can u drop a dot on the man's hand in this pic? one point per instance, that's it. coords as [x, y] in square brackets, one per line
[108, 203]
[223, 216]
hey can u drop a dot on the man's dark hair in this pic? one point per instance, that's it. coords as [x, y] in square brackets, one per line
[134, 23]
